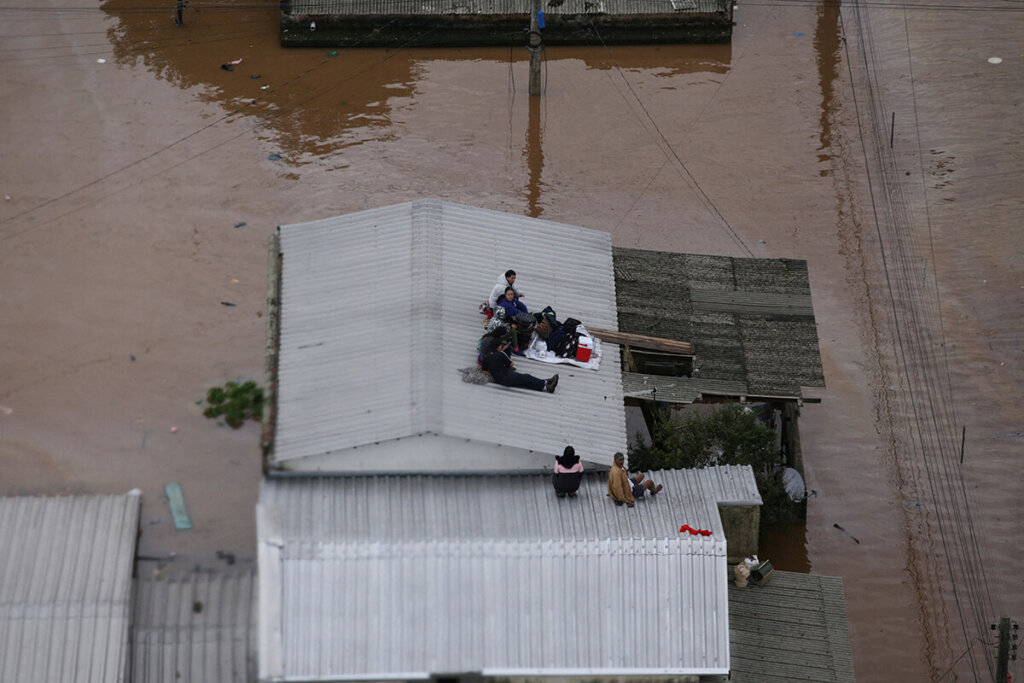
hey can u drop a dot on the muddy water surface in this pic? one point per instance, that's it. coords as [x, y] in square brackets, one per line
[127, 179]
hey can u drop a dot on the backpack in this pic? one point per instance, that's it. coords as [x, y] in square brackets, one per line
[570, 339]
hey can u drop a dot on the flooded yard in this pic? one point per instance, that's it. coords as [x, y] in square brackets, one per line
[145, 166]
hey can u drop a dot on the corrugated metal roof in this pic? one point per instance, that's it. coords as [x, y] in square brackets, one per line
[792, 628]
[499, 7]
[379, 313]
[65, 587]
[197, 626]
[678, 389]
[407, 576]
[753, 303]
[750, 320]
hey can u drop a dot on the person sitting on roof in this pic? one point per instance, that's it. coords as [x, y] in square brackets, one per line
[511, 303]
[568, 473]
[516, 330]
[500, 367]
[625, 489]
[498, 291]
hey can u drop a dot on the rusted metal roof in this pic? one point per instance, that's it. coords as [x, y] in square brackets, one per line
[750, 321]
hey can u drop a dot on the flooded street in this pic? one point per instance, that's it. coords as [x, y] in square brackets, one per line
[143, 171]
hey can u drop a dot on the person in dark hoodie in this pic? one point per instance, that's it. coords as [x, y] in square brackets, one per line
[500, 367]
[568, 473]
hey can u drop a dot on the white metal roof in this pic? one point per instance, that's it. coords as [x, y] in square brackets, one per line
[195, 627]
[369, 578]
[379, 313]
[65, 587]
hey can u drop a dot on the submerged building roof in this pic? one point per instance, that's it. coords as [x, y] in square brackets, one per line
[440, 23]
[750, 321]
[369, 578]
[65, 587]
[378, 314]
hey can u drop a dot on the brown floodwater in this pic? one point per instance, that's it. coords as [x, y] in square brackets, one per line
[141, 181]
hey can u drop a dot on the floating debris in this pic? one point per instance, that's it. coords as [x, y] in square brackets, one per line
[176, 501]
[846, 532]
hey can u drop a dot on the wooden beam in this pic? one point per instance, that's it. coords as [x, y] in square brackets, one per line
[642, 341]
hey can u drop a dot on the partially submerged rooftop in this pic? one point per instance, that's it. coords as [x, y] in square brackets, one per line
[375, 313]
[371, 578]
[750, 321]
[474, 23]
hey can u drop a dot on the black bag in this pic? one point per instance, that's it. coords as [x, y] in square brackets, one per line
[570, 340]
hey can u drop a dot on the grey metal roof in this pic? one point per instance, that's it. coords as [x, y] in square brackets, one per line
[750, 320]
[407, 576]
[678, 389]
[65, 587]
[793, 628]
[198, 626]
[498, 7]
[379, 313]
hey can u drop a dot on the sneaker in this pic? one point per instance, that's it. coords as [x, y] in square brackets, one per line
[560, 494]
[629, 505]
[550, 385]
[572, 495]
[619, 502]
[656, 489]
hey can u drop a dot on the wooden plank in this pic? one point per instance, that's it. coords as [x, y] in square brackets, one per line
[643, 341]
[176, 499]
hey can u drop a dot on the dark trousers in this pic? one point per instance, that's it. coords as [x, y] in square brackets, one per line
[519, 379]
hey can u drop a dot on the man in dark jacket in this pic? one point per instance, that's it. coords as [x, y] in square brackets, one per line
[501, 369]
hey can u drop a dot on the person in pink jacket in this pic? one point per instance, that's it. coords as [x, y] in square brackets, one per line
[568, 473]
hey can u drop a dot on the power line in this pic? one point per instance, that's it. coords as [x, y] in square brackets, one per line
[681, 167]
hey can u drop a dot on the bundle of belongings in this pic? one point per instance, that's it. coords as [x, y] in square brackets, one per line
[541, 336]
[515, 330]
[563, 342]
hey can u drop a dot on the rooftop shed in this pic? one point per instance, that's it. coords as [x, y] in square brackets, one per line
[374, 314]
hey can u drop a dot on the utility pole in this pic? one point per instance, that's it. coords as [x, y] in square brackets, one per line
[1002, 663]
[533, 44]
